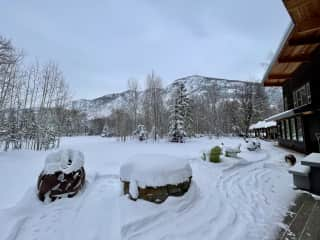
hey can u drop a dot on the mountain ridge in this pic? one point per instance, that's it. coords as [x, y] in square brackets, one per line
[196, 85]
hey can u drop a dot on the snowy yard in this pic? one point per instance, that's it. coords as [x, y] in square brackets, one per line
[243, 198]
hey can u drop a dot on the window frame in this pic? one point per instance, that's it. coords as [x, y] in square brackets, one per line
[300, 130]
[288, 130]
[283, 129]
[293, 129]
[302, 95]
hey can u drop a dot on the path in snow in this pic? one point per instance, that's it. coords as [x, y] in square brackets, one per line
[236, 202]
[93, 214]
[242, 198]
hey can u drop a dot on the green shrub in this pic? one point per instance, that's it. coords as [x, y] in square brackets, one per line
[215, 154]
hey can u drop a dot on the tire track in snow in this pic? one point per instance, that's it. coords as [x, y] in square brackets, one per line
[16, 229]
[233, 204]
[216, 211]
[243, 189]
[150, 227]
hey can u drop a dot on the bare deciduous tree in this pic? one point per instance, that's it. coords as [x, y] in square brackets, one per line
[154, 104]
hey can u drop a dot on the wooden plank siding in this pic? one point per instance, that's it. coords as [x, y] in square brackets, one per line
[296, 64]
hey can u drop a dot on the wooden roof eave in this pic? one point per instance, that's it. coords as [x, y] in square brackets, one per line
[277, 54]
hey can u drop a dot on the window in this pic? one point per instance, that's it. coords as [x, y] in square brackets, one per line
[302, 95]
[308, 92]
[299, 129]
[288, 137]
[279, 130]
[285, 103]
[293, 129]
[283, 133]
[295, 104]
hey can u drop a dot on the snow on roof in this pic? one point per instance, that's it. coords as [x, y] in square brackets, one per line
[155, 170]
[278, 116]
[66, 161]
[263, 124]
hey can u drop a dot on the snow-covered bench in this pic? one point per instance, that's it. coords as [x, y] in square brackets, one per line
[155, 177]
[301, 176]
[232, 151]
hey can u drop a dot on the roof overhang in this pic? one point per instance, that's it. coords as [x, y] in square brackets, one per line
[301, 41]
[279, 116]
[263, 125]
[302, 110]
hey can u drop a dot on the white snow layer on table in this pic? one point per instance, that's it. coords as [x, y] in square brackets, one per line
[300, 169]
[231, 149]
[155, 170]
[263, 124]
[66, 161]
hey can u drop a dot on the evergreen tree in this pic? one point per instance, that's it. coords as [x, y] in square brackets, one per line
[141, 132]
[180, 114]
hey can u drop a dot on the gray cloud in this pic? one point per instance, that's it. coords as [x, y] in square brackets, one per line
[100, 44]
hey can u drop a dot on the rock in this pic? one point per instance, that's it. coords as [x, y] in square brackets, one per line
[290, 159]
[59, 184]
[155, 177]
[158, 194]
[62, 176]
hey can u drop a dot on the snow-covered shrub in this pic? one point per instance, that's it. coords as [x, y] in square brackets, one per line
[106, 132]
[253, 145]
[140, 132]
[232, 151]
[215, 154]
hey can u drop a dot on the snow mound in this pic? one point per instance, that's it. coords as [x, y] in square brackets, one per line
[154, 170]
[253, 145]
[232, 149]
[66, 161]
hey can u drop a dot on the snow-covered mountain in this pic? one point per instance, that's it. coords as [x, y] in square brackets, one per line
[195, 84]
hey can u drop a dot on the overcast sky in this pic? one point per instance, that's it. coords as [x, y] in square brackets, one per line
[100, 44]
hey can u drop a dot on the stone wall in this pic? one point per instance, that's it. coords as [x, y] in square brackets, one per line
[161, 193]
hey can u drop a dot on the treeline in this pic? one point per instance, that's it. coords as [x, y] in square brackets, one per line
[213, 112]
[35, 109]
[33, 103]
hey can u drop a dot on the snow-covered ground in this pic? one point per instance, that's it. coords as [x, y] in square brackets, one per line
[243, 198]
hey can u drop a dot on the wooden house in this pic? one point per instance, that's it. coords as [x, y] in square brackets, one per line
[296, 68]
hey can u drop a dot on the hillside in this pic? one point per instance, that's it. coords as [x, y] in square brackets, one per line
[196, 85]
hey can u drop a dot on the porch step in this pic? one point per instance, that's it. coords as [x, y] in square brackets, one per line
[304, 220]
[312, 229]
